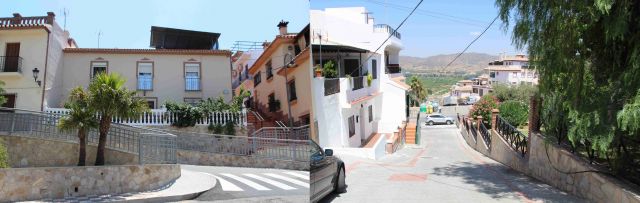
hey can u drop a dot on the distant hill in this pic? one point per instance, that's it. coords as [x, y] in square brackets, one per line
[467, 63]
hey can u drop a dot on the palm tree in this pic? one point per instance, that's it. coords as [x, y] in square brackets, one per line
[417, 92]
[109, 97]
[81, 117]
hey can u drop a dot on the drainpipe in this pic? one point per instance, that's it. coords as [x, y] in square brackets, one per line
[46, 65]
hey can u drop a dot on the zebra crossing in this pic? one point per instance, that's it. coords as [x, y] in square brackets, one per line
[266, 181]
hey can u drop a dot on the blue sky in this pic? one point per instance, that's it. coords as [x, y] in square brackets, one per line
[127, 23]
[438, 26]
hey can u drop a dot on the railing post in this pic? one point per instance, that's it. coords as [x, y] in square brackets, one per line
[494, 118]
[13, 123]
[478, 122]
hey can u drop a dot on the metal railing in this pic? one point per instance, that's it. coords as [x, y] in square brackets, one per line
[164, 117]
[268, 148]
[192, 84]
[486, 136]
[512, 135]
[358, 82]
[287, 133]
[10, 64]
[400, 140]
[474, 131]
[393, 68]
[388, 29]
[331, 86]
[151, 146]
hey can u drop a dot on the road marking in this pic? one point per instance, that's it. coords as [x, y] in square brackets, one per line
[272, 182]
[252, 184]
[226, 185]
[306, 177]
[291, 180]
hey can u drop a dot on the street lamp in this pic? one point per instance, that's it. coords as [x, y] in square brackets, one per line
[35, 76]
[286, 83]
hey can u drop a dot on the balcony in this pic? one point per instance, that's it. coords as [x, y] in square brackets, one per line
[393, 68]
[11, 65]
[384, 28]
[360, 89]
[331, 86]
[358, 82]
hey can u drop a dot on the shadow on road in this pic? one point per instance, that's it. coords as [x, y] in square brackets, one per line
[500, 182]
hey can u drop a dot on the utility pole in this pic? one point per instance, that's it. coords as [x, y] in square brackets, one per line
[65, 12]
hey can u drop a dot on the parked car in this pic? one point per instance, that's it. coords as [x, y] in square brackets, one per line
[472, 100]
[327, 173]
[438, 119]
[450, 101]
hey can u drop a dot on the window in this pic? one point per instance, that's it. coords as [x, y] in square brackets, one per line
[370, 113]
[98, 67]
[145, 75]
[274, 105]
[522, 75]
[192, 101]
[269, 70]
[514, 74]
[492, 74]
[192, 76]
[151, 104]
[10, 101]
[257, 78]
[374, 68]
[292, 90]
[352, 126]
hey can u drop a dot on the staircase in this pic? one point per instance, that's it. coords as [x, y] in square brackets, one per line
[257, 121]
[411, 133]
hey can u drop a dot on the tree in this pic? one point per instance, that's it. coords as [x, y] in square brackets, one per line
[521, 93]
[81, 118]
[514, 112]
[109, 97]
[587, 54]
[418, 93]
[2, 99]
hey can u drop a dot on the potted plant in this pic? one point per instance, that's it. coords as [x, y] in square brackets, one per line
[318, 71]
[369, 79]
[329, 70]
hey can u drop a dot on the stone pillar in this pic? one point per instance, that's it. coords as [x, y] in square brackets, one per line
[494, 118]
[17, 19]
[479, 122]
[50, 17]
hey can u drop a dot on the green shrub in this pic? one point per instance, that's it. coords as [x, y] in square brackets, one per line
[186, 114]
[4, 155]
[520, 92]
[329, 70]
[484, 107]
[514, 112]
[369, 79]
[216, 128]
[229, 128]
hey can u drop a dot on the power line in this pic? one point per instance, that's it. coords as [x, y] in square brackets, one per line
[434, 14]
[474, 40]
[392, 34]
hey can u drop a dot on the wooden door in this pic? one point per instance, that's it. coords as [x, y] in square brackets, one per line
[12, 55]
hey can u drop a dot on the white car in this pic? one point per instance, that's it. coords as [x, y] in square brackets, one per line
[438, 119]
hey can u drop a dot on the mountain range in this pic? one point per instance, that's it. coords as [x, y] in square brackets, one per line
[467, 63]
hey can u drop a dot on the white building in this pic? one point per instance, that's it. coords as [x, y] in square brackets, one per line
[348, 110]
[512, 70]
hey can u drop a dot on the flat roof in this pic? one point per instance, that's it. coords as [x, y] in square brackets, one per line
[337, 48]
[172, 38]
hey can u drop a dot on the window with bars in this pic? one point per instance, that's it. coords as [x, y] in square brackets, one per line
[292, 90]
[145, 76]
[192, 76]
[374, 68]
[269, 70]
[370, 113]
[352, 126]
[257, 78]
[98, 67]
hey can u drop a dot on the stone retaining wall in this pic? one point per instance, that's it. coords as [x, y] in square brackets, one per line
[540, 161]
[21, 184]
[36, 152]
[210, 159]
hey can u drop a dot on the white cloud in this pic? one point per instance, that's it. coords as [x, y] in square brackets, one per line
[474, 33]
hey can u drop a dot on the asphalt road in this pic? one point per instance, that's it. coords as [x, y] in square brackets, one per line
[237, 184]
[442, 169]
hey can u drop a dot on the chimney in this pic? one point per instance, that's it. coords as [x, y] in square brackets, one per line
[50, 17]
[283, 27]
[17, 18]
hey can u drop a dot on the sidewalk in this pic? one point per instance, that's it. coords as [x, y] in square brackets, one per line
[189, 185]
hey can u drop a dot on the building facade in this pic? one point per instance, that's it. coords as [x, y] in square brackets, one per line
[367, 96]
[512, 70]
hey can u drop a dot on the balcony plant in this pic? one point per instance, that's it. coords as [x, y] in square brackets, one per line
[329, 70]
[369, 79]
[318, 71]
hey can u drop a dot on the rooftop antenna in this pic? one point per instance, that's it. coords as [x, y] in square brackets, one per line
[367, 13]
[99, 35]
[65, 12]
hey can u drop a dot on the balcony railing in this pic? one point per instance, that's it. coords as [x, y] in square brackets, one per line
[393, 68]
[512, 135]
[358, 82]
[388, 29]
[331, 86]
[18, 20]
[192, 84]
[10, 64]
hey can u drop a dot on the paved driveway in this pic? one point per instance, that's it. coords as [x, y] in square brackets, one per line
[442, 169]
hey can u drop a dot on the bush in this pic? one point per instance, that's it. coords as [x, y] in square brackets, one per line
[4, 156]
[329, 70]
[484, 107]
[520, 92]
[229, 128]
[514, 112]
[187, 115]
[216, 128]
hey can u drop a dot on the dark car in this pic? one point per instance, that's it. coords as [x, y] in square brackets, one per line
[327, 173]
